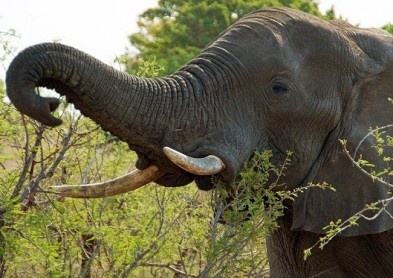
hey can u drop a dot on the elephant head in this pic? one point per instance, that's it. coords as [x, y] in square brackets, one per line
[277, 79]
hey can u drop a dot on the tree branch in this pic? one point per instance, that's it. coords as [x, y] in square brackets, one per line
[170, 267]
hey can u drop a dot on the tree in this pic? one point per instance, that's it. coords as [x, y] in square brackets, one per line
[388, 27]
[177, 30]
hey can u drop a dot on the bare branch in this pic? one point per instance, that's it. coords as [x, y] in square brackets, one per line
[33, 184]
[29, 157]
[170, 267]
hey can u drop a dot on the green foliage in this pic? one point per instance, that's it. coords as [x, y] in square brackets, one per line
[6, 48]
[250, 207]
[176, 31]
[389, 28]
[250, 210]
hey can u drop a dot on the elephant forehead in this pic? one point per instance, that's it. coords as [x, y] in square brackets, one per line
[265, 45]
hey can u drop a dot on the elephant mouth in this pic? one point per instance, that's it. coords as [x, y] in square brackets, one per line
[200, 169]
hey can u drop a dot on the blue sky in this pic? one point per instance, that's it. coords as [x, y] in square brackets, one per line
[101, 27]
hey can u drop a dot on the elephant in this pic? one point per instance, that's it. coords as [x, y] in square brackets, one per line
[277, 79]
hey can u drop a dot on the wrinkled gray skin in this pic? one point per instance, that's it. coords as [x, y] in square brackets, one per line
[277, 79]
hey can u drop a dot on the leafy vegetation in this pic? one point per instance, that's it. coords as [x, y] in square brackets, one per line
[6, 48]
[389, 28]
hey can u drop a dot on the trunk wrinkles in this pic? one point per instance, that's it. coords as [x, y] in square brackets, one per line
[137, 110]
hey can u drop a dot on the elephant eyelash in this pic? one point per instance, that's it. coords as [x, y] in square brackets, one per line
[280, 89]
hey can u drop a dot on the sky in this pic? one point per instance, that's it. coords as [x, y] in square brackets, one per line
[101, 27]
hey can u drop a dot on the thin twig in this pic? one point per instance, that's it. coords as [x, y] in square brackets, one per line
[369, 134]
[170, 267]
[33, 184]
[357, 165]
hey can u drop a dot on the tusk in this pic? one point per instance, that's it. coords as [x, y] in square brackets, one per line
[205, 166]
[123, 184]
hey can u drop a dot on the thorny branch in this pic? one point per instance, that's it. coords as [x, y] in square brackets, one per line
[160, 236]
[29, 157]
[33, 184]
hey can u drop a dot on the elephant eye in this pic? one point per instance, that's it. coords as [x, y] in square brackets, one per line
[280, 89]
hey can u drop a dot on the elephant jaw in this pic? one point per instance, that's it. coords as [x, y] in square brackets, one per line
[207, 166]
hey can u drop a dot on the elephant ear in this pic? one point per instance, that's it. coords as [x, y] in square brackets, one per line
[364, 105]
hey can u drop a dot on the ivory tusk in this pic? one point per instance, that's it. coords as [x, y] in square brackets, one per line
[205, 166]
[123, 184]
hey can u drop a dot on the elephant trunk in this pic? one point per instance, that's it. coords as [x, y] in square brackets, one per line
[137, 110]
[147, 113]
[181, 111]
